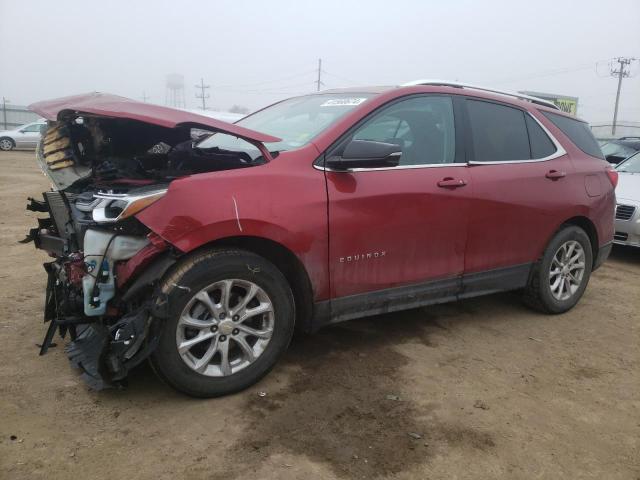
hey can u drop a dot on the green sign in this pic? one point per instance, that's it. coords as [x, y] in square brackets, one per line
[569, 105]
[563, 102]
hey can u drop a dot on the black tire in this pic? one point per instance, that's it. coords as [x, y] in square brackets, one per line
[538, 293]
[7, 144]
[192, 275]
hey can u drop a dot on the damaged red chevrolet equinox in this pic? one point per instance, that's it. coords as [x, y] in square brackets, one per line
[201, 245]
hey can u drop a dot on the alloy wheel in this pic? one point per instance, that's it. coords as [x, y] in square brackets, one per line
[225, 327]
[567, 270]
[5, 144]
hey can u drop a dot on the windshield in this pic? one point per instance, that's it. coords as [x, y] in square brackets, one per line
[613, 149]
[630, 165]
[296, 121]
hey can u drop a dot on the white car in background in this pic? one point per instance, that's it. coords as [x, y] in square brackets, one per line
[628, 202]
[25, 136]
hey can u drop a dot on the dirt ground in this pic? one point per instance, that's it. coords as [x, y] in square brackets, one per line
[483, 388]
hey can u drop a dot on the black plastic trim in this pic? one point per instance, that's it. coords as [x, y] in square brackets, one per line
[419, 295]
[603, 253]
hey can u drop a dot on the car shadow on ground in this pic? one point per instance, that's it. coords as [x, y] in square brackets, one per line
[367, 334]
[338, 396]
[625, 253]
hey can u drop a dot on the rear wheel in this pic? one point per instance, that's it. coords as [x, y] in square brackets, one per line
[231, 316]
[560, 277]
[6, 144]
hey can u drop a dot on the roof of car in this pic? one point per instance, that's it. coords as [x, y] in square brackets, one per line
[514, 98]
[628, 142]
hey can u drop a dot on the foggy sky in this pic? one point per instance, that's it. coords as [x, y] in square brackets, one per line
[253, 53]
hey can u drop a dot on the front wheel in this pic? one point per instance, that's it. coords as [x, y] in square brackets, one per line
[560, 277]
[231, 316]
[6, 144]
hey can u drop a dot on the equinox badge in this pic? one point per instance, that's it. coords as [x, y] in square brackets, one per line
[363, 256]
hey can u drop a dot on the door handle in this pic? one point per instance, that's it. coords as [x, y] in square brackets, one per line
[555, 174]
[450, 182]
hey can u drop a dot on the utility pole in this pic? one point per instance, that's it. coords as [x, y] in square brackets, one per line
[620, 73]
[202, 95]
[319, 82]
[144, 97]
[4, 111]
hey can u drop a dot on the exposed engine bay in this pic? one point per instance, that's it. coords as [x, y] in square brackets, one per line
[106, 264]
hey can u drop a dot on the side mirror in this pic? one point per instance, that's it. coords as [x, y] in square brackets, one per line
[367, 154]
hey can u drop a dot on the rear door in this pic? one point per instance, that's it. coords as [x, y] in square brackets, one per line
[521, 180]
[396, 226]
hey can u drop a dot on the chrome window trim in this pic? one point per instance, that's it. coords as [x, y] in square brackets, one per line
[560, 151]
[399, 167]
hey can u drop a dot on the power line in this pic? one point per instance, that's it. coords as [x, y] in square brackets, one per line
[202, 95]
[282, 89]
[620, 73]
[550, 73]
[345, 79]
[275, 80]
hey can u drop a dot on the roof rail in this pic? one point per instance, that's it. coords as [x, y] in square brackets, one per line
[446, 83]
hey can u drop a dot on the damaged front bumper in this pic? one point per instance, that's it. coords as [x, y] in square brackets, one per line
[104, 295]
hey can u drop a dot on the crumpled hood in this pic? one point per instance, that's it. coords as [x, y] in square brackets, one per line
[114, 106]
[628, 186]
[92, 133]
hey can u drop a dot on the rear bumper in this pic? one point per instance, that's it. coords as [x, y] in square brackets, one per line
[603, 254]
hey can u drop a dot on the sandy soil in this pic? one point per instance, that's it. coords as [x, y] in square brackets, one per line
[484, 388]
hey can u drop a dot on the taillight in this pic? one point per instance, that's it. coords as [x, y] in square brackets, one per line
[613, 176]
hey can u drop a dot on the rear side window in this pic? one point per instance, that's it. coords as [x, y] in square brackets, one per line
[541, 144]
[499, 133]
[578, 132]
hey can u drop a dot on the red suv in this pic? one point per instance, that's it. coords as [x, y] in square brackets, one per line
[201, 244]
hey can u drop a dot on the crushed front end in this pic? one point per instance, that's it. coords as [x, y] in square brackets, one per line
[95, 292]
[109, 158]
[102, 280]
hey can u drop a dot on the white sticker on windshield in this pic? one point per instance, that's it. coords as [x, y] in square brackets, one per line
[343, 102]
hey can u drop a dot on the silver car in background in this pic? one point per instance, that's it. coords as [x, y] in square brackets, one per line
[25, 136]
[628, 202]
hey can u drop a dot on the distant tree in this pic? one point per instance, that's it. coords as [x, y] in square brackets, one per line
[239, 109]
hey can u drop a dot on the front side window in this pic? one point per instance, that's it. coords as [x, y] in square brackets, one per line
[499, 133]
[296, 121]
[578, 132]
[422, 126]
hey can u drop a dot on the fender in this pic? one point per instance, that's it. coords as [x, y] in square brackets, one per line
[284, 200]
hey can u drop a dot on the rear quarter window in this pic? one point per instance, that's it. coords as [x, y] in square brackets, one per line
[541, 144]
[578, 132]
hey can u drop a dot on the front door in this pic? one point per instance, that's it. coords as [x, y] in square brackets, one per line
[404, 225]
[29, 136]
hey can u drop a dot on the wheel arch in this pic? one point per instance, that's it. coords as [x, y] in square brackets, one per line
[589, 228]
[286, 261]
